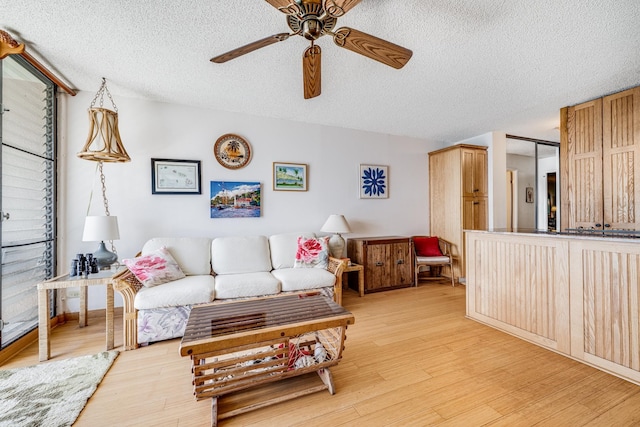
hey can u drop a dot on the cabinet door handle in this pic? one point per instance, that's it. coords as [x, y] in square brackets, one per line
[607, 225]
[598, 225]
[476, 203]
[379, 264]
[400, 261]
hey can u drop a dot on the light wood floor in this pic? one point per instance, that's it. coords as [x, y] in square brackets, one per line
[411, 359]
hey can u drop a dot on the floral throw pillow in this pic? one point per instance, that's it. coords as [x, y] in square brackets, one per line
[312, 253]
[155, 268]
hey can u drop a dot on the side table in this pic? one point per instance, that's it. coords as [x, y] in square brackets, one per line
[354, 267]
[63, 282]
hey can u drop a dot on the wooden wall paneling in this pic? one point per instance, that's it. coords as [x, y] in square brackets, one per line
[584, 152]
[605, 305]
[564, 175]
[621, 151]
[520, 284]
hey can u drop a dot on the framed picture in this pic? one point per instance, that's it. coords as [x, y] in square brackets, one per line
[374, 182]
[289, 176]
[235, 199]
[175, 176]
[529, 195]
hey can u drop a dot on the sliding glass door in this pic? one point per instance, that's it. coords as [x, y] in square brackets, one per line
[27, 133]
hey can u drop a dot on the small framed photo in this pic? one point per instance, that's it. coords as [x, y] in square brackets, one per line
[529, 195]
[289, 176]
[374, 182]
[175, 176]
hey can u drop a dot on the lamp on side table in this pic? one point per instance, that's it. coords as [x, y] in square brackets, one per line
[336, 224]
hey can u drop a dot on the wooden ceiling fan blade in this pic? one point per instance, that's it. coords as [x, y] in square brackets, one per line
[372, 47]
[232, 54]
[311, 71]
[337, 8]
[288, 7]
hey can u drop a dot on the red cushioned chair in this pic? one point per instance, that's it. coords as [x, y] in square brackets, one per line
[432, 252]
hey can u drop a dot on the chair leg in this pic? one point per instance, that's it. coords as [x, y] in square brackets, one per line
[453, 282]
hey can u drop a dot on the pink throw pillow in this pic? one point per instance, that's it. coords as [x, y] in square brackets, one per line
[155, 268]
[312, 253]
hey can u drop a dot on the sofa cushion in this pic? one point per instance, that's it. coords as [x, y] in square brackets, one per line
[246, 285]
[283, 248]
[188, 291]
[312, 253]
[298, 279]
[193, 254]
[155, 268]
[240, 254]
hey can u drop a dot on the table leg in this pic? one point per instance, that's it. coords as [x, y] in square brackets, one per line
[83, 306]
[44, 326]
[214, 411]
[109, 316]
[361, 281]
[327, 379]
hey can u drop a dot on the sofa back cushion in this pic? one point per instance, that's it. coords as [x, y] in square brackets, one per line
[193, 254]
[283, 248]
[240, 254]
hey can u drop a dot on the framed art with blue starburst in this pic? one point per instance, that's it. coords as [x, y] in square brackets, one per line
[374, 182]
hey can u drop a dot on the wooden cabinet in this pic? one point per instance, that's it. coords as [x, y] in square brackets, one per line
[387, 261]
[458, 189]
[601, 142]
[572, 294]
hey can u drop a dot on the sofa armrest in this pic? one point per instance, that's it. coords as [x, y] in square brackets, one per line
[128, 286]
[337, 266]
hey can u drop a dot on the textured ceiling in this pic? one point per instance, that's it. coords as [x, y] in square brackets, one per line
[477, 66]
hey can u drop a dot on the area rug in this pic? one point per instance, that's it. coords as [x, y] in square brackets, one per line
[51, 394]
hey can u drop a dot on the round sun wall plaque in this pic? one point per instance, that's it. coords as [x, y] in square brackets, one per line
[232, 151]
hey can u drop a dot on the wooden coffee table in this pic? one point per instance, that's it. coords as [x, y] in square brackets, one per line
[239, 345]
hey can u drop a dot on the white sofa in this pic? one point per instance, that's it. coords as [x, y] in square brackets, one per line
[217, 269]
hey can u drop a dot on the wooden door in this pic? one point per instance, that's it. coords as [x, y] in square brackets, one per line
[474, 173]
[584, 164]
[474, 213]
[377, 267]
[620, 150]
[401, 264]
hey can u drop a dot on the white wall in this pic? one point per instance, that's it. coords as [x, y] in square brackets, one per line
[158, 130]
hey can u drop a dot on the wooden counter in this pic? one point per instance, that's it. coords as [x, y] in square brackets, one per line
[576, 295]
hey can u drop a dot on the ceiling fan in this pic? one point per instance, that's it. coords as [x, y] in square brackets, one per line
[313, 19]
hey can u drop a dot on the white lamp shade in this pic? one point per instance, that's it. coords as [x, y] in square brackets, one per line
[100, 228]
[336, 224]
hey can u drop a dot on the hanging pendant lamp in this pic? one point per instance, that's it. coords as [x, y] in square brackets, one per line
[103, 143]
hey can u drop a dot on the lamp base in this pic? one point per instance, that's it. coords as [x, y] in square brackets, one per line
[104, 257]
[336, 246]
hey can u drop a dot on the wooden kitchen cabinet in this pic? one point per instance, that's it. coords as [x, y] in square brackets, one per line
[458, 190]
[387, 261]
[600, 142]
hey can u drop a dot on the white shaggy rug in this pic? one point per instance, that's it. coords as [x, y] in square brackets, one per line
[53, 393]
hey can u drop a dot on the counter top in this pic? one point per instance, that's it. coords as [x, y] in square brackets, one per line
[617, 235]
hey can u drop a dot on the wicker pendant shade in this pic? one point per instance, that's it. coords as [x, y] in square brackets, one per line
[103, 143]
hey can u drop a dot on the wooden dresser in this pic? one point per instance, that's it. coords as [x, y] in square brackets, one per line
[387, 261]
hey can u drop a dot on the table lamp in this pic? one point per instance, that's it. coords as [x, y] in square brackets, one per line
[336, 224]
[99, 229]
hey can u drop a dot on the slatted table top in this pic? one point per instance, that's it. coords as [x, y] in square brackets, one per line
[214, 326]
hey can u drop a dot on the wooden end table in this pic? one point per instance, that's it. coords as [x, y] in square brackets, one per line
[64, 282]
[354, 267]
[238, 345]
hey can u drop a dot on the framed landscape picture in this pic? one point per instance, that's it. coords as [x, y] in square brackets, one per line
[374, 182]
[175, 176]
[289, 176]
[235, 199]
